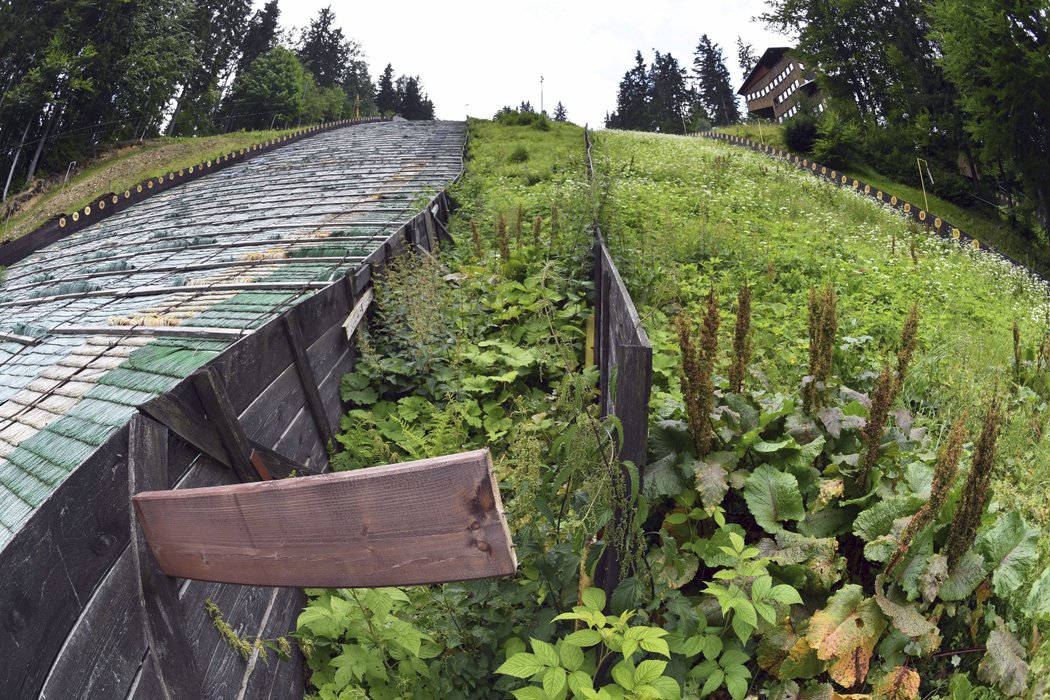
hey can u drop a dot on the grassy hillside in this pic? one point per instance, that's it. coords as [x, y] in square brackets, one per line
[688, 216]
[761, 563]
[979, 221]
[113, 172]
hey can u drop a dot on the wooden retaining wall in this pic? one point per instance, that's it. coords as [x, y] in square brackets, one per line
[84, 613]
[624, 357]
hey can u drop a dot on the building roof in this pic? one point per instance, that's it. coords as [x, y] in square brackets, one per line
[117, 313]
[769, 59]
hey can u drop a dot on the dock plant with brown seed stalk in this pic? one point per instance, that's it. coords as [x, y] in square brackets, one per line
[537, 224]
[698, 363]
[871, 435]
[476, 237]
[554, 222]
[517, 225]
[945, 472]
[741, 340]
[1017, 351]
[502, 239]
[823, 325]
[975, 494]
[909, 340]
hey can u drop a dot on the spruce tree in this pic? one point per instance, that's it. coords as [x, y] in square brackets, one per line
[324, 50]
[712, 83]
[386, 96]
[669, 96]
[745, 56]
[261, 35]
[632, 101]
[560, 113]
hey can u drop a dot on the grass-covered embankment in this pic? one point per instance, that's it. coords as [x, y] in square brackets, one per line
[115, 171]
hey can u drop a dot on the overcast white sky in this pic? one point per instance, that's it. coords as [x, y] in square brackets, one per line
[475, 57]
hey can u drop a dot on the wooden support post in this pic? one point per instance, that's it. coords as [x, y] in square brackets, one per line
[170, 650]
[428, 222]
[308, 379]
[222, 416]
[185, 422]
[357, 314]
[428, 521]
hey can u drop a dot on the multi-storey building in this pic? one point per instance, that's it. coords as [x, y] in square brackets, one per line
[773, 87]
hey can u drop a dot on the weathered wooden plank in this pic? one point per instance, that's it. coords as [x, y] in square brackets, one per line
[225, 669]
[277, 681]
[170, 650]
[54, 563]
[301, 443]
[358, 313]
[102, 655]
[330, 385]
[146, 685]
[307, 378]
[419, 522]
[223, 417]
[266, 419]
[186, 422]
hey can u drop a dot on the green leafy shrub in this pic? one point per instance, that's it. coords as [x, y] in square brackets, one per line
[800, 133]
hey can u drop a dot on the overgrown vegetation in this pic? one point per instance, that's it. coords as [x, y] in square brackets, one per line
[823, 512]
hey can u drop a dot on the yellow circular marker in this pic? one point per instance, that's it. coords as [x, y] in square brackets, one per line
[87, 210]
[127, 194]
[160, 180]
[62, 222]
[937, 222]
[823, 170]
[149, 184]
[844, 179]
[893, 200]
[867, 189]
[209, 163]
[115, 199]
[76, 216]
[907, 208]
[834, 174]
[181, 173]
[813, 167]
[975, 244]
[138, 188]
[805, 162]
[955, 233]
[922, 215]
[171, 176]
[878, 195]
[856, 185]
[101, 204]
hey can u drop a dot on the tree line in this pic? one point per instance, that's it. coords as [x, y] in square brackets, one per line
[79, 75]
[664, 97]
[964, 84]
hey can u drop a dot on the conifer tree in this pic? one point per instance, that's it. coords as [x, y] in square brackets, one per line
[560, 113]
[712, 84]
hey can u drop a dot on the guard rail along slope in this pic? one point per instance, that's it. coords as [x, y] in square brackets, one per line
[195, 339]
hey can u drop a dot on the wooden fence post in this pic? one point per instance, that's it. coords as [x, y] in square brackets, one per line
[170, 650]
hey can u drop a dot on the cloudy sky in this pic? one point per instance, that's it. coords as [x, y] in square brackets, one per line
[475, 57]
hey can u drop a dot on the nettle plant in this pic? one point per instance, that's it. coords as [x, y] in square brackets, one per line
[823, 542]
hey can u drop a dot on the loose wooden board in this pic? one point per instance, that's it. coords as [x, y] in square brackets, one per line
[428, 521]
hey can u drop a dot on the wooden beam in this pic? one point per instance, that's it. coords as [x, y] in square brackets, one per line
[170, 650]
[222, 416]
[189, 425]
[429, 521]
[357, 314]
[307, 379]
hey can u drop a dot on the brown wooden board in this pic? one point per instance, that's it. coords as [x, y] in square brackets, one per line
[427, 521]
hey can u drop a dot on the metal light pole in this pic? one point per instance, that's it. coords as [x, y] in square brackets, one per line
[541, 94]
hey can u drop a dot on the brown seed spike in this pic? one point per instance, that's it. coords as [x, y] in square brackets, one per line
[741, 340]
[502, 239]
[872, 433]
[537, 224]
[476, 237]
[909, 340]
[963, 530]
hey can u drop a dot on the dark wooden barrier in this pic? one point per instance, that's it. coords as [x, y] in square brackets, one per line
[113, 203]
[624, 357]
[82, 612]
